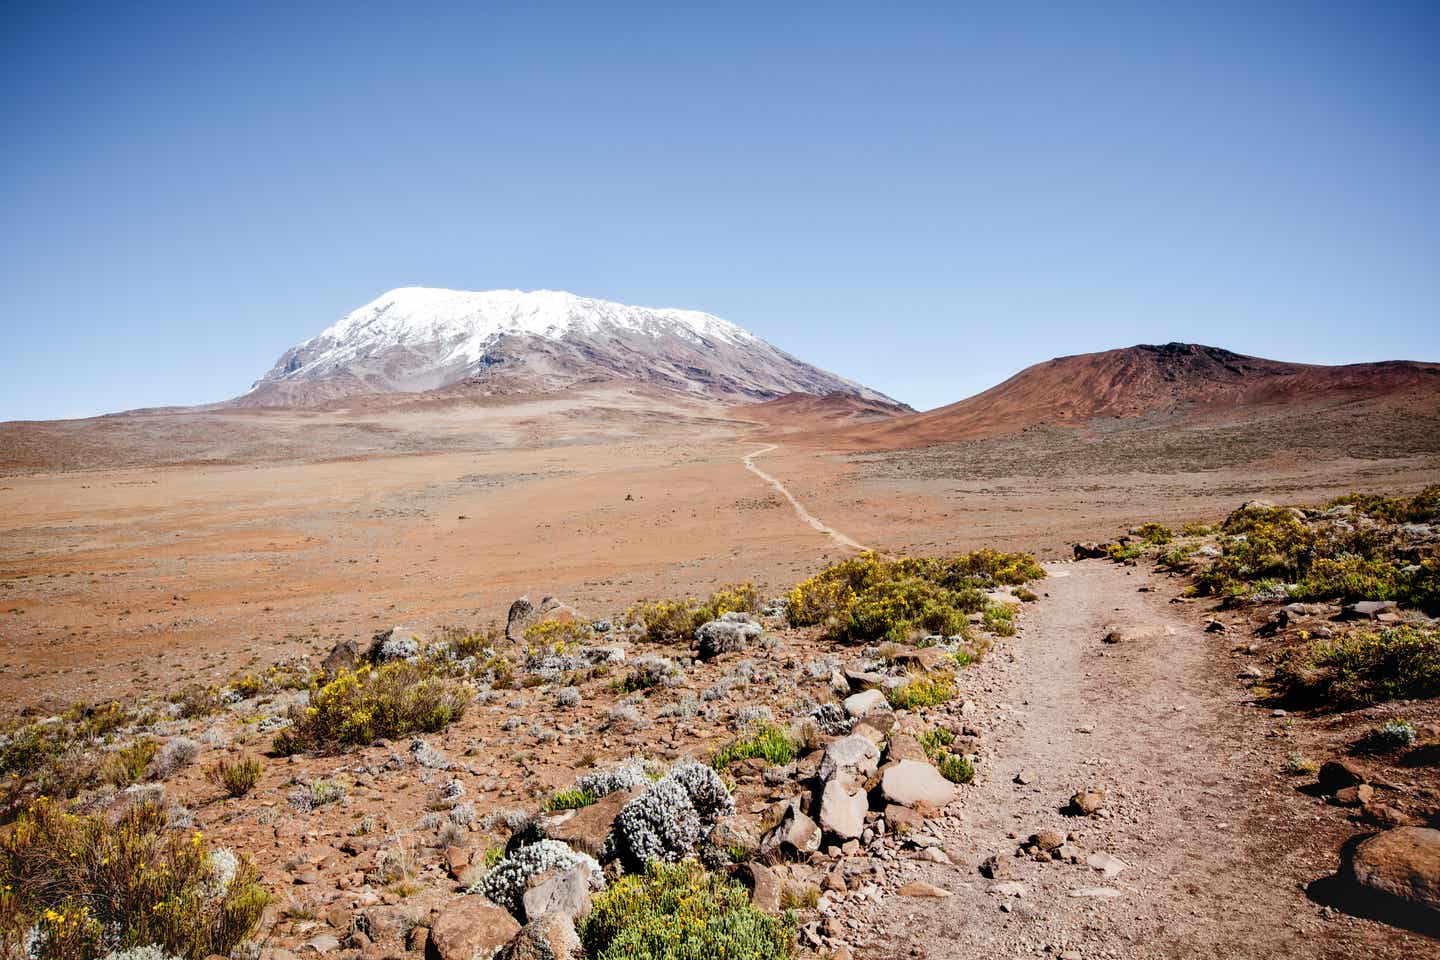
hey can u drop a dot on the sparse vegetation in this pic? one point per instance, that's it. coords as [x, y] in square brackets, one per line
[769, 742]
[681, 912]
[89, 886]
[999, 619]
[936, 743]
[1391, 736]
[361, 707]
[1365, 666]
[677, 620]
[922, 690]
[1155, 534]
[571, 798]
[870, 598]
[236, 778]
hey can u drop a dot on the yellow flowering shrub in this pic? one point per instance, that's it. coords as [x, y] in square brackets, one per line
[396, 699]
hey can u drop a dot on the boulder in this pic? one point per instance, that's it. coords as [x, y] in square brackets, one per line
[874, 727]
[928, 659]
[861, 705]
[729, 634]
[470, 928]
[1403, 863]
[587, 829]
[522, 613]
[344, 657]
[1087, 802]
[902, 746]
[998, 867]
[796, 835]
[549, 937]
[763, 885]
[1367, 609]
[919, 888]
[843, 806]
[911, 782]
[562, 891]
[1091, 551]
[903, 820]
[1339, 774]
[852, 759]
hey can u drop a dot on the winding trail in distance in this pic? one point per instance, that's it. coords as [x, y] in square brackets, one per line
[800, 511]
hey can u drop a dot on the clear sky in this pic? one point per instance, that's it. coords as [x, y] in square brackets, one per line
[923, 197]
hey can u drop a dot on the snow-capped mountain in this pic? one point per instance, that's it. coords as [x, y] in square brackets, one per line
[418, 339]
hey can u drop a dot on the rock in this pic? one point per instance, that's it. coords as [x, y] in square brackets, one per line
[902, 746]
[1337, 774]
[843, 805]
[1354, 796]
[1048, 840]
[903, 820]
[912, 782]
[522, 612]
[1091, 551]
[325, 943]
[1367, 609]
[550, 937]
[934, 855]
[1087, 802]
[852, 760]
[1110, 866]
[395, 643]
[566, 892]
[928, 659]
[1009, 888]
[587, 829]
[861, 705]
[1214, 626]
[875, 727]
[1403, 863]
[835, 881]
[1113, 636]
[729, 634]
[344, 657]
[468, 928]
[1025, 777]
[763, 885]
[1100, 892]
[998, 867]
[919, 888]
[796, 835]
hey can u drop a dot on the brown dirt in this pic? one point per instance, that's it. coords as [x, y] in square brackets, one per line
[1221, 845]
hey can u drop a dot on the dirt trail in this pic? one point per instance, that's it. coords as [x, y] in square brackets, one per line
[800, 511]
[1214, 839]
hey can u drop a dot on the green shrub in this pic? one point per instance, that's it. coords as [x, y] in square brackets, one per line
[871, 598]
[1366, 667]
[670, 620]
[1423, 507]
[922, 690]
[1124, 552]
[770, 742]
[126, 765]
[1348, 578]
[571, 798]
[680, 912]
[935, 740]
[1155, 534]
[361, 707]
[955, 768]
[237, 778]
[999, 619]
[1196, 530]
[92, 885]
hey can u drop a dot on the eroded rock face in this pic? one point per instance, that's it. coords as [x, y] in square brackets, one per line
[470, 928]
[1403, 863]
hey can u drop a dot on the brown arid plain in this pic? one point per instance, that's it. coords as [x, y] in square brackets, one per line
[1119, 725]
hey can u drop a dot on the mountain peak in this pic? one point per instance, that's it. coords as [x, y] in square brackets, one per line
[414, 339]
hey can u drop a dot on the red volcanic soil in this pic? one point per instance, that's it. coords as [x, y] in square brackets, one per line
[1171, 379]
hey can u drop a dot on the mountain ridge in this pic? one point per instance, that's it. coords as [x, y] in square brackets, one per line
[501, 342]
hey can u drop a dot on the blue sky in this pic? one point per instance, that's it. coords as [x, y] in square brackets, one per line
[924, 197]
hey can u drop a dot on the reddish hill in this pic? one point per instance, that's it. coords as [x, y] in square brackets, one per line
[1176, 379]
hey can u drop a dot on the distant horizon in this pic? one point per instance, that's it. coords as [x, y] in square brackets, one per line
[924, 199]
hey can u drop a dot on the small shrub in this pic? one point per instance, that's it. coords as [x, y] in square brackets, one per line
[651, 671]
[935, 741]
[569, 799]
[1366, 667]
[770, 742]
[237, 778]
[1125, 552]
[1155, 534]
[999, 619]
[396, 699]
[177, 754]
[955, 768]
[1392, 736]
[92, 885]
[128, 764]
[1195, 529]
[925, 690]
[1297, 765]
[504, 883]
[670, 620]
[681, 912]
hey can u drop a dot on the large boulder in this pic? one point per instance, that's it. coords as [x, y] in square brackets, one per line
[729, 634]
[587, 829]
[842, 809]
[911, 782]
[562, 891]
[795, 836]
[851, 759]
[865, 703]
[522, 614]
[1403, 863]
[470, 928]
[549, 937]
[344, 657]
